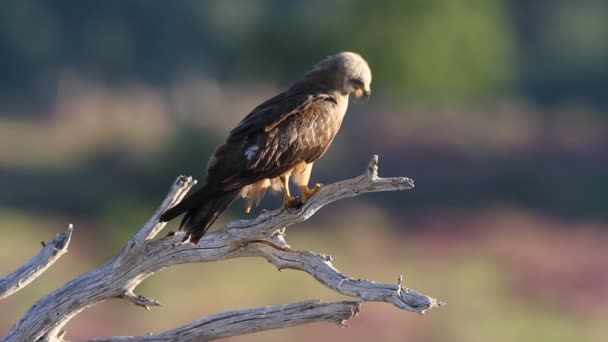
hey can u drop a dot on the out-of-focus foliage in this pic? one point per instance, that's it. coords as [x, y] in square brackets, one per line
[547, 52]
[563, 51]
[433, 50]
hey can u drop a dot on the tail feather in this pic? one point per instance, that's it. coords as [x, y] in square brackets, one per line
[193, 200]
[198, 220]
[201, 209]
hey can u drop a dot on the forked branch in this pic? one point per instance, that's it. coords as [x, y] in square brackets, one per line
[260, 237]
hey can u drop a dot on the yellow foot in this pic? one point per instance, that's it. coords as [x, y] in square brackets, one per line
[292, 202]
[307, 193]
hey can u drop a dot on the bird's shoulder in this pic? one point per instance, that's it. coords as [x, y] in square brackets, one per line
[298, 100]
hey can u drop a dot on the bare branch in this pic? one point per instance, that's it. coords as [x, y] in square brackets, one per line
[239, 322]
[46, 318]
[177, 192]
[33, 268]
[260, 237]
[320, 267]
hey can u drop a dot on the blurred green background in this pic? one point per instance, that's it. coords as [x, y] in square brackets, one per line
[497, 109]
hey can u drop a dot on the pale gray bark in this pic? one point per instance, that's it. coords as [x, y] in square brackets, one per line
[51, 251]
[260, 237]
[240, 322]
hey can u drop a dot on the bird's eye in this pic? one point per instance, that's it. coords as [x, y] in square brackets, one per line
[356, 83]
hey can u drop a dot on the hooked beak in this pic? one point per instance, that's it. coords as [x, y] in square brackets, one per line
[366, 93]
[363, 94]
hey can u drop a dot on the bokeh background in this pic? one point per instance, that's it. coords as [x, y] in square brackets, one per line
[497, 109]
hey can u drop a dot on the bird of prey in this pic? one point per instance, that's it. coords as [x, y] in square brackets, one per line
[278, 141]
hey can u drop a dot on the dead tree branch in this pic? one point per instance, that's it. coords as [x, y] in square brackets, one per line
[240, 322]
[33, 268]
[261, 237]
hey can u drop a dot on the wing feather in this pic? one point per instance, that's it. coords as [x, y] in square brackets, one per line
[275, 137]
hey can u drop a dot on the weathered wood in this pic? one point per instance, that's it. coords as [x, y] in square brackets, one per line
[260, 237]
[240, 322]
[33, 268]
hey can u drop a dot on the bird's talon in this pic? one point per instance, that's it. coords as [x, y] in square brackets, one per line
[308, 193]
[292, 202]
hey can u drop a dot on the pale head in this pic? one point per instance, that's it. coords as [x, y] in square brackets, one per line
[346, 72]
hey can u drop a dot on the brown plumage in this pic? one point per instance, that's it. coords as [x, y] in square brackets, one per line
[279, 139]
